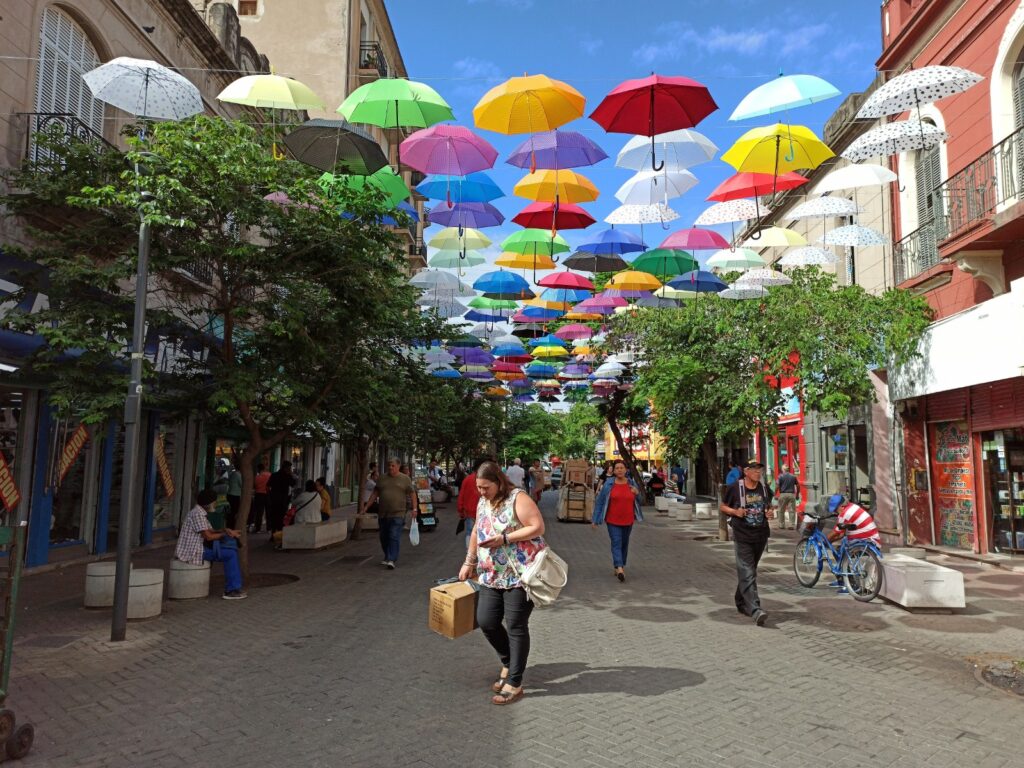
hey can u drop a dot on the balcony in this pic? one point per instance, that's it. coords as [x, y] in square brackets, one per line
[58, 127]
[915, 253]
[372, 63]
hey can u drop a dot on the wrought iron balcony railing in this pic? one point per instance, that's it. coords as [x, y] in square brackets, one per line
[59, 125]
[916, 252]
[371, 56]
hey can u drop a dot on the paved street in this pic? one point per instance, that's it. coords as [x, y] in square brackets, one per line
[339, 669]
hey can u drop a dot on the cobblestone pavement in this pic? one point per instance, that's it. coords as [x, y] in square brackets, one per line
[339, 669]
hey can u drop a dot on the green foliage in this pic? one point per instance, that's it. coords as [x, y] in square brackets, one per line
[532, 432]
[582, 426]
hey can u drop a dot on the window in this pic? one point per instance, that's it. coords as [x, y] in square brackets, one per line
[1018, 93]
[65, 54]
[248, 7]
[928, 177]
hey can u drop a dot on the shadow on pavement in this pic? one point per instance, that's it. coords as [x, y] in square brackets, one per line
[571, 678]
[657, 614]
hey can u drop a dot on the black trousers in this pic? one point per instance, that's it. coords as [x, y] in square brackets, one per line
[513, 643]
[257, 509]
[276, 511]
[748, 555]
[233, 503]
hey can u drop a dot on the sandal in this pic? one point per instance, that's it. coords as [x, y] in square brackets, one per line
[507, 697]
[498, 684]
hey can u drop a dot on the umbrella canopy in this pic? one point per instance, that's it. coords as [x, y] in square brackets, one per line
[642, 214]
[783, 93]
[448, 149]
[528, 330]
[824, 206]
[601, 305]
[632, 280]
[894, 138]
[514, 260]
[856, 176]
[776, 237]
[677, 150]
[556, 186]
[595, 262]
[762, 278]
[270, 92]
[754, 185]
[667, 292]
[561, 216]
[916, 87]
[144, 88]
[328, 144]
[664, 262]
[730, 212]
[565, 295]
[454, 239]
[474, 188]
[432, 278]
[488, 315]
[550, 340]
[456, 259]
[695, 239]
[574, 331]
[808, 256]
[443, 371]
[623, 293]
[540, 370]
[482, 302]
[698, 281]
[612, 241]
[501, 285]
[385, 181]
[546, 353]
[446, 311]
[649, 187]
[740, 292]
[534, 241]
[476, 215]
[657, 302]
[741, 258]
[438, 298]
[394, 103]
[556, 149]
[528, 104]
[777, 149]
[566, 279]
[854, 236]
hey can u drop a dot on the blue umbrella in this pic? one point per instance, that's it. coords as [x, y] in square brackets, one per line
[494, 316]
[387, 220]
[524, 398]
[565, 295]
[541, 314]
[474, 188]
[556, 149]
[508, 350]
[540, 370]
[475, 215]
[445, 372]
[547, 341]
[612, 241]
[783, 93]
[698, 280]
[502, 285]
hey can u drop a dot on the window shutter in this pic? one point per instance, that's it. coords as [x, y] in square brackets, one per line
[65, 54]
[1018, 96]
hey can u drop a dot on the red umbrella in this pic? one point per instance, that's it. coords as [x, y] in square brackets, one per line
[506, 367]
[741, 185]
[695, 240]
[653, 105]
[560, 215]
[566, 279]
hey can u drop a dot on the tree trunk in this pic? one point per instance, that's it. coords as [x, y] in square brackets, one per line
[624, 449]
[711, 457]
[247, 464]
[362, 462]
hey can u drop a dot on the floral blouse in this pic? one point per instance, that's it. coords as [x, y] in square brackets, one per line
[501, 567]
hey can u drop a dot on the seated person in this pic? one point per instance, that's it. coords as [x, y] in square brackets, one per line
[199, 543]
[307, 505]
[848, 513]
[325, 499]
[656, 484]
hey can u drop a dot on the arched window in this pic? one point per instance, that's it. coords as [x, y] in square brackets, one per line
[1018, 92]
[928, 177]
[65, 54]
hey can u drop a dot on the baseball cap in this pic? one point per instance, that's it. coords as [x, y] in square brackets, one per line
[834, 503]
[753, 464]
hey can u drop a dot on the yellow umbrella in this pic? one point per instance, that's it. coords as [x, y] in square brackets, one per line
[776, 237]
[584, 317]
[509, 375]
[552, 351]
[523, 261]
[561, 306]
[450, 239]
[271, 92]
[497, 392]
[528, 104]
[631, 280]
[665, 292]
[777, 149]
[546, 185]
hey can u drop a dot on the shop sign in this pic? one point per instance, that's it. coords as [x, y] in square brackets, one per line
[72, 448]
[953, 484]
[8, 488]
[166, 478]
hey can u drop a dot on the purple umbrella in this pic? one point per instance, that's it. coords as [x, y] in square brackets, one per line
[473, 355]
[475, 215]
[556, 149]
[451, 150]
[618, 293]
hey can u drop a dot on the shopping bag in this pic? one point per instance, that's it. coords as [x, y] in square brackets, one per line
[414, 533]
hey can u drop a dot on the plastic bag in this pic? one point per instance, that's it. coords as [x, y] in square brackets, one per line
[414, 533]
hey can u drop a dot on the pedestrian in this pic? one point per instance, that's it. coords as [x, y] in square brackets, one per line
[258, 508]
[459, 474]
[536, 481]
[279, 496]
[679, 478]
[787, 491]
[199, 543]
[391, 492]
[606, 472]
[507, 537]
[656, 485]
[234, 494]
[325, 499]
[618, 505]
[734, 473]
[469, 498]
[516, 474]
[748, 503]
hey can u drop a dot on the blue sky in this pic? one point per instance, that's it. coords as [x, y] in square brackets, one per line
[464, 47]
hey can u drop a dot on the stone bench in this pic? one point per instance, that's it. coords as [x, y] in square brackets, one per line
[704, 510]
[914, 583]
[188, 582]
[145, 593]
[99, 584]
[661, 503]
[316, 535]
[678, 510]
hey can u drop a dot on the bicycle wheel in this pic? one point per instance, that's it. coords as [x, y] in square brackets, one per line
[862, 572]
[807, 563]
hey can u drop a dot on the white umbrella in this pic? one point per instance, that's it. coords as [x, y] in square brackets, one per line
[761, 278]
[666, 292]
[776, 237]
[649, 187]
[856, 176]
[736, 291]
[893, 138]
[145, 89]
[641, 214]
[916, 87]
[434, 355]
[808, 256]
[855, 236]
[433, 278]
[824, 206]
[729, 212]
[741, 258]
[437, 299]
[677, 149]
[446, 311]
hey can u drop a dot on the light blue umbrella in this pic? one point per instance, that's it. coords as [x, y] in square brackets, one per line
[474, 188]
[612, 241]
[699, 281]
[565, 295]
[782, 93]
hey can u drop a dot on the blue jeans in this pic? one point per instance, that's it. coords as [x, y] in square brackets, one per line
[391, 536]
[619, 534]
[232, 570]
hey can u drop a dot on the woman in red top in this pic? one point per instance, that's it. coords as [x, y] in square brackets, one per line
[618, 505]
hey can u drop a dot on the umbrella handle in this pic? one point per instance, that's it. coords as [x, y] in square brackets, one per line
[655, 166]
[791, 155]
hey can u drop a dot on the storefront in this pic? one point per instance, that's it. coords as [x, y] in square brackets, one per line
[1002, 458]
[788, 446]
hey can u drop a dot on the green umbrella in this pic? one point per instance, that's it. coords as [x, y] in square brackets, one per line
[386, 180]
[482, 302]
[455, 259]
[535, 242]
[664, 262]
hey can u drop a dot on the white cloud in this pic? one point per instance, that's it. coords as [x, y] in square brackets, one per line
[803, 38]
[746, 42]
[675, 40]
[590, 45]
[472, 68]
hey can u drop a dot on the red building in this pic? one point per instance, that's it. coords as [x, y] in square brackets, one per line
[958, 220]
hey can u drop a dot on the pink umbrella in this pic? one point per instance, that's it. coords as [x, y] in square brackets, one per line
[566, 279]
[695, 240]
[574, 331]
[450, 150]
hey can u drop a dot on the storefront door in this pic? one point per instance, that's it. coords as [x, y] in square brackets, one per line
[953, 487]
[1003, 465]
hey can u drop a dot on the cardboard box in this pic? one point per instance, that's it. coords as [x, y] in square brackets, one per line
[452, 609]
[575, 504]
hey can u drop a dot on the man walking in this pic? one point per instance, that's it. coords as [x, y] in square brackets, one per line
[279, 496]
[536, 480]
[258, 508]
[516, 474]
[391, 492]
[748, 503]
[787, 490]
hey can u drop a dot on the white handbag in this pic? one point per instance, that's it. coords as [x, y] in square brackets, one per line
[544, 578]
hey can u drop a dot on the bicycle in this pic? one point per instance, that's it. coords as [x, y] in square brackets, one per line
[857, 563]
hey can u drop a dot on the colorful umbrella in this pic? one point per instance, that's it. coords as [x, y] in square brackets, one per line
[456, 239]
[482, 302]
[476, 215]
[474, 188]
[327, 144]
[642, 214]
[762, 278]
[528, 104]
[807, 256]
[775, 237]
[456, 259]
[824, 206]
[451, 150]
[565, 295]
[739, 292]
[653, 105]
[557, 217]
[777, 149]
[502, 285]
[394, 103]
[601, 305]
[699, 281]
[534, 242]
[556, 149]
[556, 186]
[677, 150]
[632, 280]
[916, 87]
[566, 279]
[270, 92]
[385, 180]
[783, 93]
[595, 262]
[651, 187]
[574, 331]
[695, 239]
[740, 258]
[729, 212]
[536, 262]
[754, 185]
[664, 262]
[611, 241]
[431, 278]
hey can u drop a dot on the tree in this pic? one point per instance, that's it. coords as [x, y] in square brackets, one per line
[581, 429]
[531, 431]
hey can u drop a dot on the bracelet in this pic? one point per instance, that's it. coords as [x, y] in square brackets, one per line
[504, 538]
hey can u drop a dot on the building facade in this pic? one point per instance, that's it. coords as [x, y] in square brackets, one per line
[958, 217]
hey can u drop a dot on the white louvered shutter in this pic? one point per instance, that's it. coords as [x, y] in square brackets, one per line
[65, 54]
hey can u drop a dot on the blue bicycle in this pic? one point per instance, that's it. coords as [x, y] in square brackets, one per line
[856, 563]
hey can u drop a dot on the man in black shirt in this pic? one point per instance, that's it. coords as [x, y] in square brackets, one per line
[279, 496]
[787, 489]
[748, 502]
